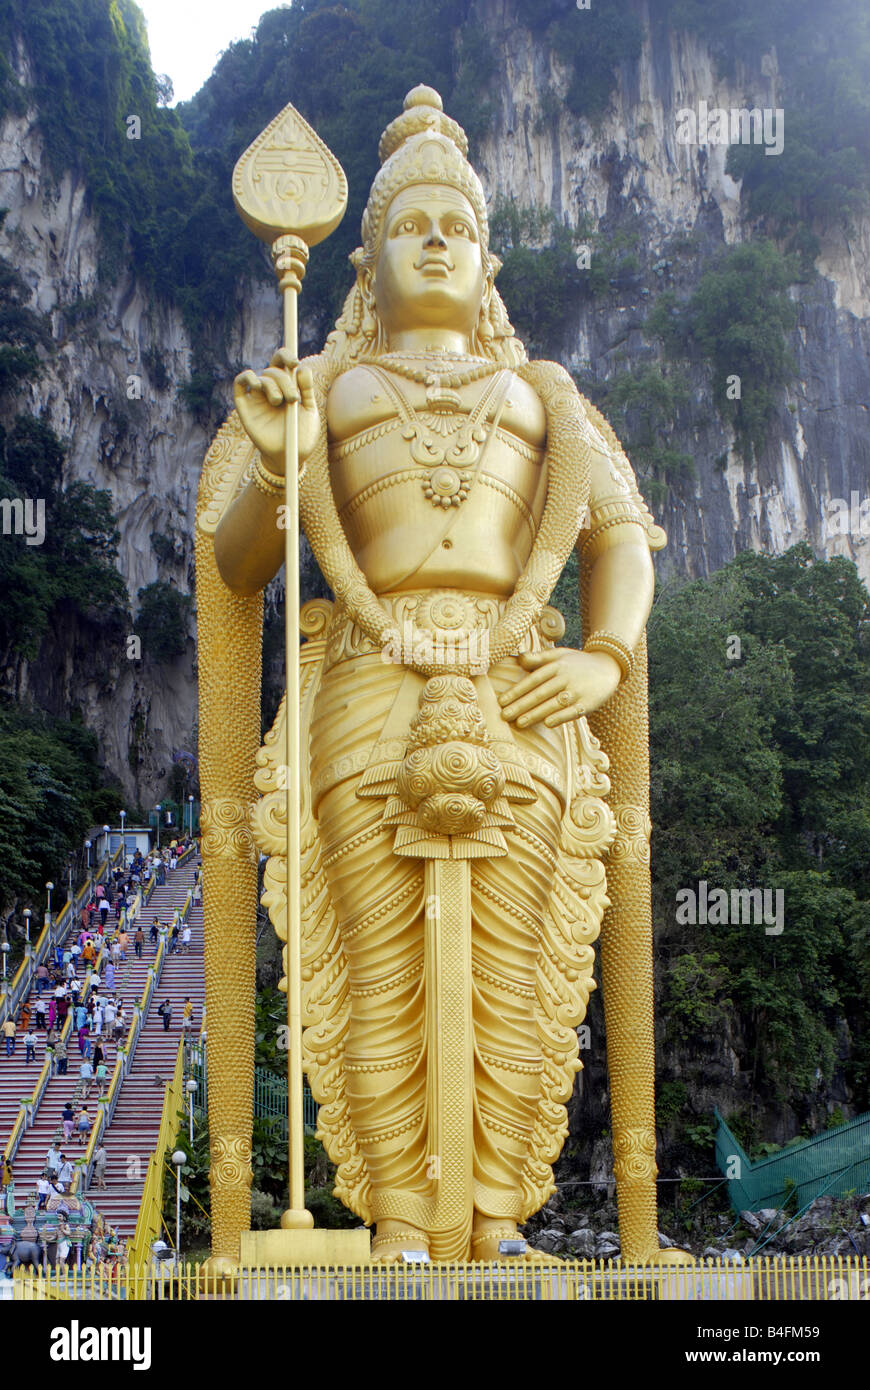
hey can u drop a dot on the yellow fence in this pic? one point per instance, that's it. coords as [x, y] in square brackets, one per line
[797, 1279]
[151, 1209]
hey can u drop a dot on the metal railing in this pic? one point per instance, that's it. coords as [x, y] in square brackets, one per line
[826, 1278]
[270, 1093]
[151, 1206]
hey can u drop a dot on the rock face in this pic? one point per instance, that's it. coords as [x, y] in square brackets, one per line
[149, 451]
[632, 165]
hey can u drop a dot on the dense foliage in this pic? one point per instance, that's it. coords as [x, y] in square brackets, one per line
[759, 780]
[162, 621]
[737, 319]
[51, 791]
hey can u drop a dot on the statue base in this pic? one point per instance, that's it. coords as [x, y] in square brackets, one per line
[281, 1248]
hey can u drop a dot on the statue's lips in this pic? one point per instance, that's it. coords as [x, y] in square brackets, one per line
[435, 266]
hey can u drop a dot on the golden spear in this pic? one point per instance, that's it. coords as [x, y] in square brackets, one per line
[292, 192]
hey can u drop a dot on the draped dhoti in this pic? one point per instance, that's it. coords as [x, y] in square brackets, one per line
[450, 988]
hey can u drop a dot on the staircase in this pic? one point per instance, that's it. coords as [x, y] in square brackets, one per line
[132, 1136]
[29, 1160]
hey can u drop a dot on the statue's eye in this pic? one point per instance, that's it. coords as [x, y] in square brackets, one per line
[460, 229]
[409, 226]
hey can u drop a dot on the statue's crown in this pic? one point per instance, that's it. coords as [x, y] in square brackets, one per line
[422, 145]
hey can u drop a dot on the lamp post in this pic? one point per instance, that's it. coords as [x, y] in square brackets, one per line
[48, 888]
[158, 808]
[190, 804]
[90, 876]
[191, 1092]
[5, 949]
[27, 914]
[179, 1158]
[123, 841]
[70, 891]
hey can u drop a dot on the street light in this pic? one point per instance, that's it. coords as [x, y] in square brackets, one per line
[90, 877]
[179, 1158]
[158, 808]
[70, 892]
[48, 888]
[5, 949]
[123, 841]
[191, 1092]
[27, 914]
[190, 804]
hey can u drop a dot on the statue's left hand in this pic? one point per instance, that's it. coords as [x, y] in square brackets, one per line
[562, 685]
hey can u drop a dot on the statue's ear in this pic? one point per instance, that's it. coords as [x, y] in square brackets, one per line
[495, 263]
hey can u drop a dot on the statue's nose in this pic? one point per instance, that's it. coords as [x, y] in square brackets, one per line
[436, 237]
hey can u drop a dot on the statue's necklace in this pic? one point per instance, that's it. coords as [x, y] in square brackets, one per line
[436, 374]
[452, 458]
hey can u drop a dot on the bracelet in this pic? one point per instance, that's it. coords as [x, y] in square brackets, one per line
[611, 645]
[267, 482]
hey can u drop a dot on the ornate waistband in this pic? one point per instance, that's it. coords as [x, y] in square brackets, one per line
[452, 625]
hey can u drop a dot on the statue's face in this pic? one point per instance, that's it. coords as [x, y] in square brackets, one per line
[429, 272]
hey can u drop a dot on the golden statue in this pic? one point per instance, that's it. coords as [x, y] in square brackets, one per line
[464, 780]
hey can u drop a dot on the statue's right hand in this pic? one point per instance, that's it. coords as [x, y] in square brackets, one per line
[262, 400]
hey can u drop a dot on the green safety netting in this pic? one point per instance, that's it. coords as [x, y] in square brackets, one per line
[832, 1164]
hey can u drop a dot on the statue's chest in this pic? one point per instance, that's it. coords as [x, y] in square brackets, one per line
[432, 464]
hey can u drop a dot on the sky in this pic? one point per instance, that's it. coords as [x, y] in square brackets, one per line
[188, 36]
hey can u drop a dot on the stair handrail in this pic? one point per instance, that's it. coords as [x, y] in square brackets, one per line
[151, 1205]
[106, 1106]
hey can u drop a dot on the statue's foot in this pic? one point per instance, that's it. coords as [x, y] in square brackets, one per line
[394, 1237]
[488, 1234]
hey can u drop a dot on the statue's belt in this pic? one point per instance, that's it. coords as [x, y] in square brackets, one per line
[451, 626]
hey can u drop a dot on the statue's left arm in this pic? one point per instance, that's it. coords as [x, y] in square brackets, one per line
[618, 573]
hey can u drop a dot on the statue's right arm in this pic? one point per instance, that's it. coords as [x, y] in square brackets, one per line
[249, 541]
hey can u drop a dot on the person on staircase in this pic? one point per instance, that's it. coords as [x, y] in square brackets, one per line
[165, 1012]
[100, 1161]
[9, 1035]
[52, 1160]
[83, 1125]
[60, 1056]
[29, 1046]
[139, 941]
[68, 1120]
[86, 1077]
[40, 1009]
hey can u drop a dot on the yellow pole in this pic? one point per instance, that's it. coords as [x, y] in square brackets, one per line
[290, 254]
